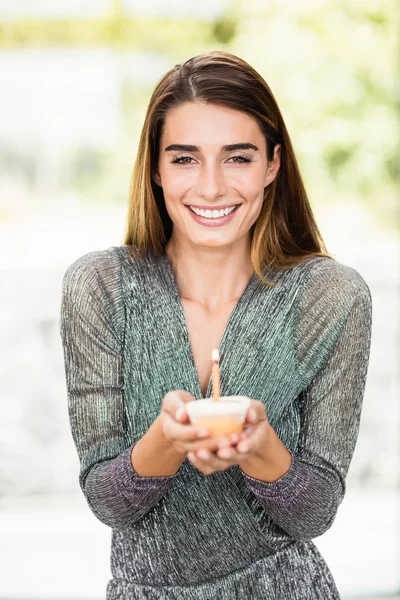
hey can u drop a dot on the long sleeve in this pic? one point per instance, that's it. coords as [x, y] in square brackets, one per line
[92, 330]
[333, 344]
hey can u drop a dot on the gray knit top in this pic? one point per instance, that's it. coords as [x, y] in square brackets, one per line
[301, 347]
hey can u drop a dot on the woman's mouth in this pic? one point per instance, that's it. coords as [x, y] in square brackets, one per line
[213, 217]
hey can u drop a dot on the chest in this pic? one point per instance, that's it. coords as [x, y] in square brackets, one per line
[168, 344]
[205, 331]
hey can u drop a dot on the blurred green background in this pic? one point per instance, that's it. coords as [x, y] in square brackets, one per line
[332, 65]
[75, 81]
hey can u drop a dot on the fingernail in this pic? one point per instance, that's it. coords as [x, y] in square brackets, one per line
[179, 413]
[252, 414]
[223, 443]
[225, 453]
[202, 433]
[204, 454]
[243, 447]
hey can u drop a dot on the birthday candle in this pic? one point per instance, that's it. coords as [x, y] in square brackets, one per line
[216, 382]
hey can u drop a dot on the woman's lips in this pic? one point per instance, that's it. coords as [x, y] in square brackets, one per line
[215, 222]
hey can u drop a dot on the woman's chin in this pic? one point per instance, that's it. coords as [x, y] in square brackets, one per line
[214, 242]
[212, 239]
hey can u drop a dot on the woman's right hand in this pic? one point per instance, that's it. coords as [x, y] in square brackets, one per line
[178, 430]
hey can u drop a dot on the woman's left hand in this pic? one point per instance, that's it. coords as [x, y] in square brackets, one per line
[248, 444]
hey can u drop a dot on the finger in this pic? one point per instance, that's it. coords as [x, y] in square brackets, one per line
[247, 432]
[214, 442]
[255, 440]
[256, 412]
[200, 465]
[175, 400]
[181, 415]
[229, 439]
[232, 455]
[216, 461]
[184, 432]
[193, 437]
[234, 438]
[211, 443]
[208, 462]
[251, 416]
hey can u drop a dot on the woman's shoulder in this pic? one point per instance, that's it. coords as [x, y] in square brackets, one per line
[329, 277]
[92, 265]
[329, 295]
[113, 269]
[104, 260]
[91, 287]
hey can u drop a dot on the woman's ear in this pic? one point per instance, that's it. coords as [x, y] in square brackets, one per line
[273, 165]
[156, 177]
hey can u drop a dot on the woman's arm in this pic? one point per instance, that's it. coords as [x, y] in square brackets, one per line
[92, 330]
[154, 455]
[305, 499]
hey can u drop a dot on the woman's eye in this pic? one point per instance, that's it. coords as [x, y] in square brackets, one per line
[186, 160]
[241, 158]
[182, 160]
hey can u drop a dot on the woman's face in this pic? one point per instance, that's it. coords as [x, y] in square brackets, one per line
[213, 169]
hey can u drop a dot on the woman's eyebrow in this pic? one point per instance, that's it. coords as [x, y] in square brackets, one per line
[227, 148]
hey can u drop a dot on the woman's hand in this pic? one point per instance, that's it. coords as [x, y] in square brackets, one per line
[183, 436]
[251, 442]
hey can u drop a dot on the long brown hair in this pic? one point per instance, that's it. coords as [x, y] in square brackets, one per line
[285, 232]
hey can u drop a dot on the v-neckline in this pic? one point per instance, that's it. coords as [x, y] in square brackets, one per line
[182, 322]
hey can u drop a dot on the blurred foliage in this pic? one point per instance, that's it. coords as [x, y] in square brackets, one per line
[153, 35]
[332, 65]
[86, 166]
[104, 177]
[224, 30]
[15, 163]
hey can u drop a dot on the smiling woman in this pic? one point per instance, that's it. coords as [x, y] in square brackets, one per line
[199, 181]
[215, 118]
[221, 251]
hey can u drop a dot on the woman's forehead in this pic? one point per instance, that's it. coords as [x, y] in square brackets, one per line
[208, 124]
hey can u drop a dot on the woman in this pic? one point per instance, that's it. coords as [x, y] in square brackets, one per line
[221, 250]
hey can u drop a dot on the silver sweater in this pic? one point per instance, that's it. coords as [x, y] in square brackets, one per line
[301, 347]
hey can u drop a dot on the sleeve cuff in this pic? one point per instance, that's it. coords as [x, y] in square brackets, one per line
[127, 477]
[282, 491]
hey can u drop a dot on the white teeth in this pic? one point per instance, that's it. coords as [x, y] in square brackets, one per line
[212, 214]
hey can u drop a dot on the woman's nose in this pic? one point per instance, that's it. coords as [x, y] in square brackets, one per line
[211, 182]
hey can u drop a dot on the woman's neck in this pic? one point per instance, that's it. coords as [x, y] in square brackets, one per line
[212, 277]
